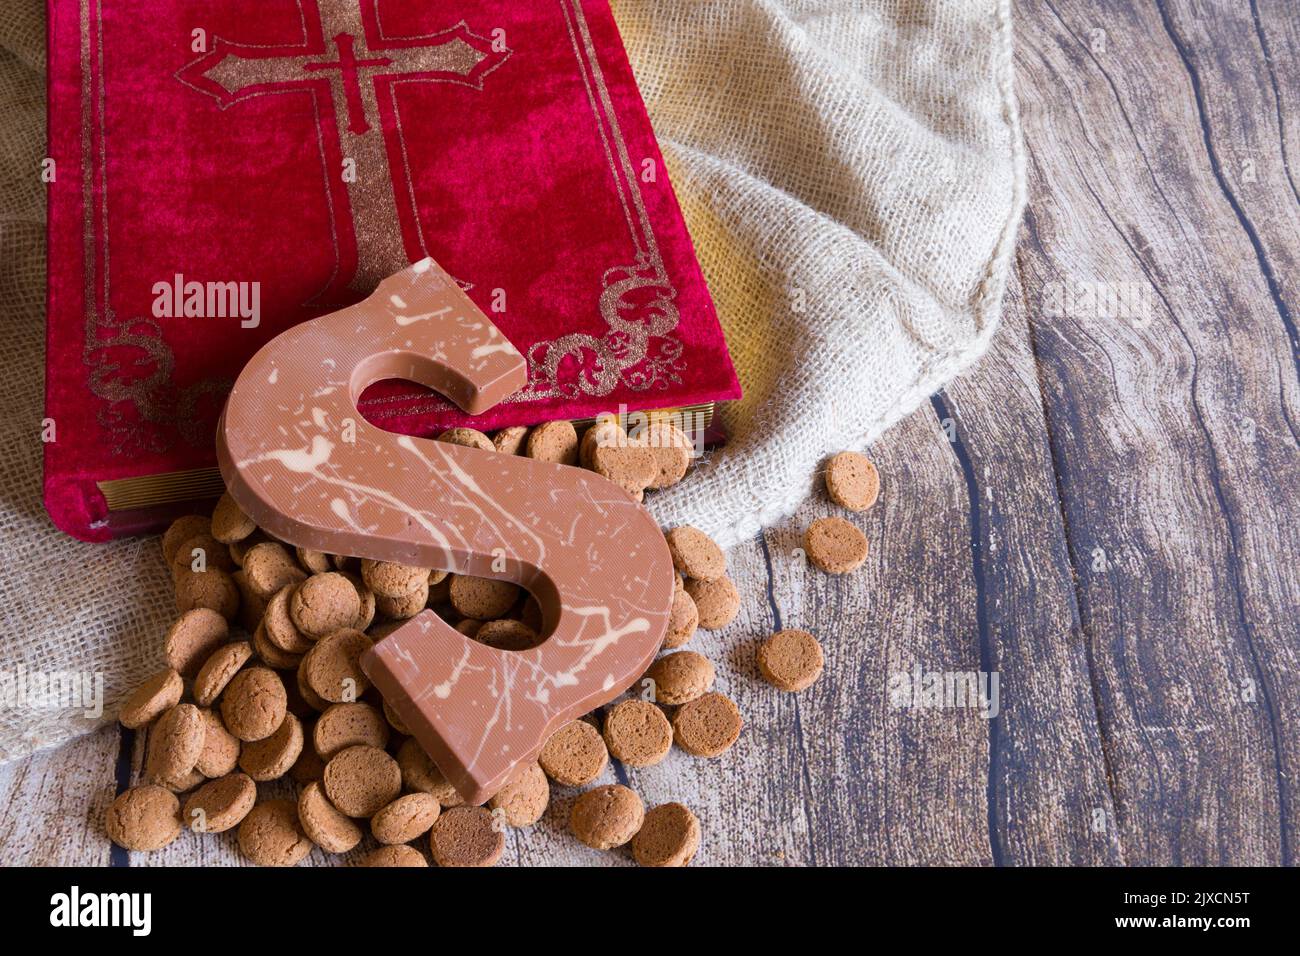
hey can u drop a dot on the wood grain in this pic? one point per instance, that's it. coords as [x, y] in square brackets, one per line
[1105, 513]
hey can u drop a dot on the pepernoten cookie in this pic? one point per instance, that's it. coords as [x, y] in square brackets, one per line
[346, 725]
[193, 638]
[362, 780]
[575, 755]
[483, 599]
[391, 580]
[328, 828]
[638, 733]
[271, 757]
[324, 603]
[144, 818]
[220, 753]
[394, 856]
[717, 601]
[218, 670]
[681, 677]
[229, 523]
[555, 442]
[175, 742]
[220, 805]
[466, 836]
[669, 836]
[852, 481]
[695, 554]
[254, 703]
[707, 726]
[159, 693]
[790, 660]
[607, 816]
[271, 835]
[333, 667]
[405, 819]
[834, 545]
[419, 773]
[683, 619]
[523, 800]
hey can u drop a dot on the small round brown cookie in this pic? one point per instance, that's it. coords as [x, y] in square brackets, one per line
[269, 566]
[329, 829]
[362, 780]
[181, 530]
[707, 726]
[630, 466]
[507, 634]
[229, 523]
[159, 693]
[672, 449]
[394, 720]
[346, 725]
[681, 677]
[201, 552]
[193, 638]
[483, 599]
[272, 656]
[220, 805]
[394, 856]
[144, 818]
[271, 758]
[555, 442]
[307, 767]
[312, 699]
[278, 623]
[605, 432]
[313, 562]
[239, 549]
[575, 755]
[523, 800]
[323, 604]
[510, 441]
[406, 818]
[333, 667]
[406, 606]
[852, 481]
[683, 619]
[468, 437]
[790, 660]
[254, 703]
[716, 602]
[420, 774]
[670, 836]
[213, 589]
[638, 733]
[607, 816]
[466, 836]
[218, 670]
[220, 753]
[695, 554]
[175, 742]
[835, 545]
[366, 597]
[392, 580]
[468, 626]
[271, 835]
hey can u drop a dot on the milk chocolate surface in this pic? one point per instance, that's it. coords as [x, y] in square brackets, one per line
[300, 460]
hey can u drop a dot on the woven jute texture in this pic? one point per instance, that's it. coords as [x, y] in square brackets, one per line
[851, 172]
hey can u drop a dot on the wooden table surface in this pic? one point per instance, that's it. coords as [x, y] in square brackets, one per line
[1106, 514]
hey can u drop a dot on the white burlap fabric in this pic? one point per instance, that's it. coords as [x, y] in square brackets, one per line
[851, 171]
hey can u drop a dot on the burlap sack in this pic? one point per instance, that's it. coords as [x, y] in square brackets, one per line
[851, 171]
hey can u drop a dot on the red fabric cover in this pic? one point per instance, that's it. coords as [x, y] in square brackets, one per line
[519, 185]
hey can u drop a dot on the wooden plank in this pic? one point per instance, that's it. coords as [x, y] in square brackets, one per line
[52, 804]
[1178, 526]
[1049, 797]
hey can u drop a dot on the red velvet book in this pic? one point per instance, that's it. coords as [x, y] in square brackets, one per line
[225, 169]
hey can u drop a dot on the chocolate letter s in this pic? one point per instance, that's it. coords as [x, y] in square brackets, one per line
[594, 559]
